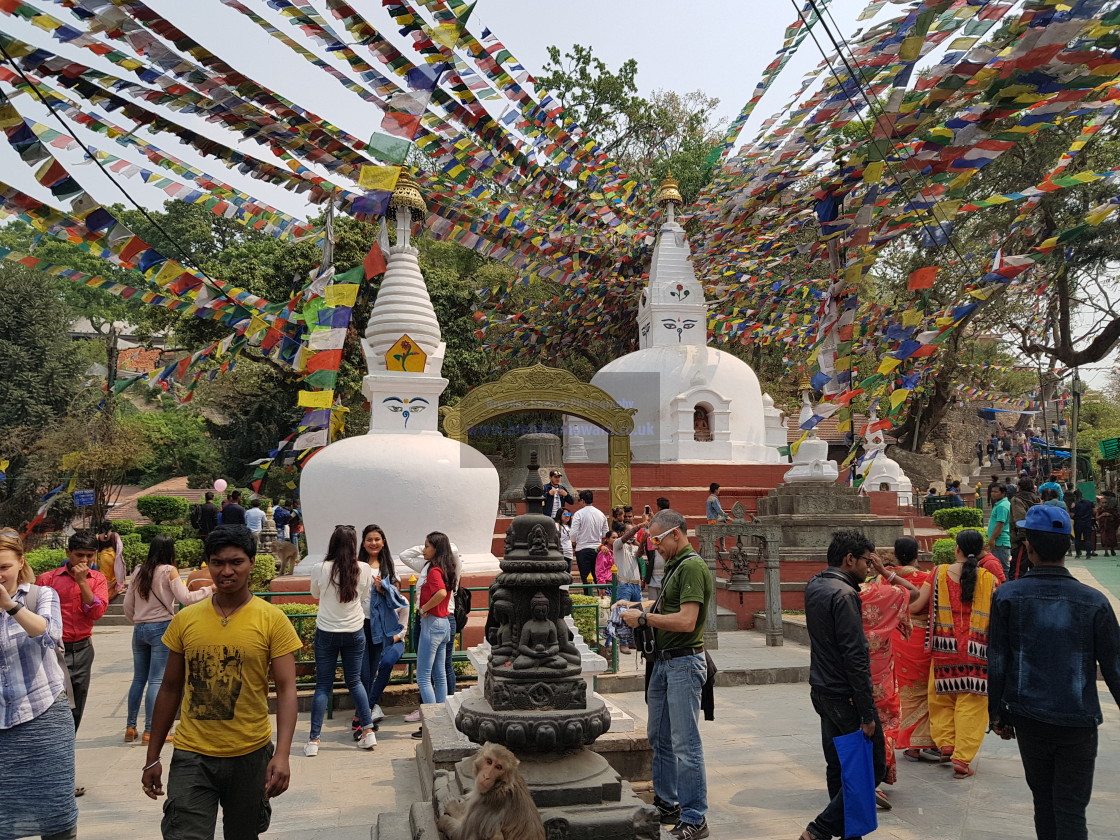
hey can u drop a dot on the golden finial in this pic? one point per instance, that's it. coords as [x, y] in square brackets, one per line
[669, 192]
[805, 384]
[407, 194]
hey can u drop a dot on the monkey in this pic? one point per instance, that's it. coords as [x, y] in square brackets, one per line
[499, 807]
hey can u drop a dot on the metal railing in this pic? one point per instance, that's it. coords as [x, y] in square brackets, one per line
[304, 624]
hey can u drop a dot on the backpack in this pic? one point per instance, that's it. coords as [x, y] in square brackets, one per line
[281, 516]
[196, 517]
[462, 608]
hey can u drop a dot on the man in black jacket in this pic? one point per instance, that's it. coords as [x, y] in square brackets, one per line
[840, 667]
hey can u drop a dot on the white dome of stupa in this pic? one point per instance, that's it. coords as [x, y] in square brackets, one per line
[404, 475]
[695, 404]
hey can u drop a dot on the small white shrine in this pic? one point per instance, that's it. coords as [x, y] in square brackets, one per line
[878, 471]
[695, 404]
[404, 475]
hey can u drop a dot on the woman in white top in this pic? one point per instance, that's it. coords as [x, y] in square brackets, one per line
[150, 606]
[342, 585]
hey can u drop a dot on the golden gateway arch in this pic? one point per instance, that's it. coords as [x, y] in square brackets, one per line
[541, 388]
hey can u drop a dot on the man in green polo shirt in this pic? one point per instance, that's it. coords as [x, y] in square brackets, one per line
[999, 526]
[679, 673]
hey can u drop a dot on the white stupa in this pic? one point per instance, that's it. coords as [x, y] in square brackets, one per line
[878, 471]
[696, 404]
[404, 475]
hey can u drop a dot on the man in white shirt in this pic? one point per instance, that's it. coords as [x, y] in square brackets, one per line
[589, 526]
[254, 517]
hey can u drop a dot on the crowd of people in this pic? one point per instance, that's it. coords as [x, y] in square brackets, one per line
[922, 662]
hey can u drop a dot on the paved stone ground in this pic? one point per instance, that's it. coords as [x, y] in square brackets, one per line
[765, 770]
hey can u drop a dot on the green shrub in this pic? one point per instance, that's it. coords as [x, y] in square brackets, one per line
[586, 619]
[264, 570]
[967, 516]
[124, 527]
[305, 627]
[188, 552]
[147, 532]
[135, 550]
[163, 508]
[44, 559]
[944, 551]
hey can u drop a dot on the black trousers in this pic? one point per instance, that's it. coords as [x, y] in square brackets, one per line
[79, 662]
[585, 560]
[197, 784]
[1082, 536]
[1058, 762]
[839, 717]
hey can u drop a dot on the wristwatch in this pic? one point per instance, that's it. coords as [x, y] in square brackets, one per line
[643, 619]
[12, 612]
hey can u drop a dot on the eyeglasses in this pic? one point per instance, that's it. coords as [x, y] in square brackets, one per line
[657, 540]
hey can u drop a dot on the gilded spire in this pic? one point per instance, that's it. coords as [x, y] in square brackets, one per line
[669, 191]
[407, 195]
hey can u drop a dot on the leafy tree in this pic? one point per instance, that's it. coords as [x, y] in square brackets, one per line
[178, 445]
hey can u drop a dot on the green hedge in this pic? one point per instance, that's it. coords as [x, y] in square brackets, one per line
[188, 552]
[967, 516]
[163, 508]
[44, 559]
[264, 570]
[147, 532]
[944, 551]
[304, 627]
[124, 527]
[586, 620]
[135, 550]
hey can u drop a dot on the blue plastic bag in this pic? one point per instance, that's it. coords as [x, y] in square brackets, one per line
[857, 777]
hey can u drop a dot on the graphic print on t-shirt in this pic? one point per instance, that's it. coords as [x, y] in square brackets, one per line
[213, 682]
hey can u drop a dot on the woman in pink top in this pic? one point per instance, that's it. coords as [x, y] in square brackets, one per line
[150, 606]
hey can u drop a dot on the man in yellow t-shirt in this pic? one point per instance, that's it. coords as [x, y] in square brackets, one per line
[221, 651]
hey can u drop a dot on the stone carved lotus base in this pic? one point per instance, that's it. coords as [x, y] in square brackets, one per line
[530, 730]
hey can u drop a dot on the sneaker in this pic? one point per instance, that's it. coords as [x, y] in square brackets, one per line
[667, 814]
[311, 749]
[413, 717]
[623, 650]
[419, 734]
[369, 740]
[691, 831]
[377, 714]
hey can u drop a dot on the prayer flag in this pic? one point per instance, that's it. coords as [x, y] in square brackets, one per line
[379, 177]
[448, 34]
[316, 399]
[374, 263]
[922, 278]
[388, 148]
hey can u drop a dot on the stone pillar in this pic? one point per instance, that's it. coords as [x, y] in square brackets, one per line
[268, 533]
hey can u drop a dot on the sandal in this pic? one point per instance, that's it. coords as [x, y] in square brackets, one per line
[961, 770]
[79, 791]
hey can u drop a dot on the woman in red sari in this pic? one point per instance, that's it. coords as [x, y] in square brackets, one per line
[912, 661]
[885, 612]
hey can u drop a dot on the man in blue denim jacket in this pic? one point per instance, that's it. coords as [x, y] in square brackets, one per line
[1048, 635]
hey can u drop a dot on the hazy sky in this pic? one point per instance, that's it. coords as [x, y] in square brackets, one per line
[718, 47]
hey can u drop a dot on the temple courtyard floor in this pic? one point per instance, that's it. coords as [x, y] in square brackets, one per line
[763, 753]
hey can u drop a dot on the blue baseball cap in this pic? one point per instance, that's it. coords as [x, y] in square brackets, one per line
[1048, 518]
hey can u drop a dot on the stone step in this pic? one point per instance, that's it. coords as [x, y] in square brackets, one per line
[726, 620]
[421, 823]
[390, 826]
[793, 627]
[108, 620]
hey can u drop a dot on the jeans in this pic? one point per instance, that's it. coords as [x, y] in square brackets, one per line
[1058, 762]
[328, 647]
[435, 633]
[390, 656]
[197, 784]
[1082, 536]
[673, 729]
[629, 592]
[370, 663]
[1003, 555]
[149, 658]
[840, 717]
[585, 561]
[449, 662]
